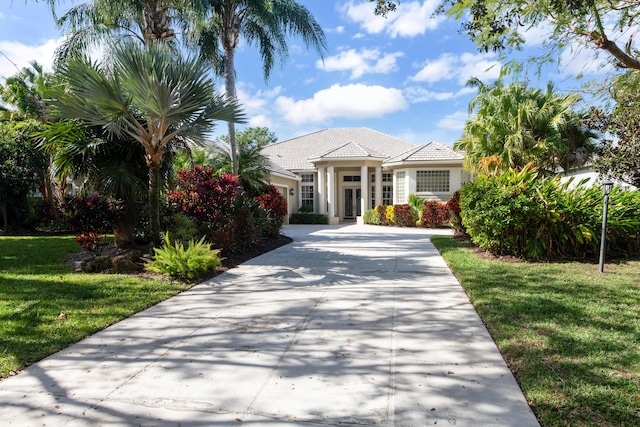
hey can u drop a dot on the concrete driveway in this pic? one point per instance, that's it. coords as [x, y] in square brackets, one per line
[348, 325]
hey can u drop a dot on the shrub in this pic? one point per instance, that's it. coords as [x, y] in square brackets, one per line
[182, 228]
[372, 217]
[185, 263]
[218, 205]
[389, 215]
[92, 212]
[434, 214]
[308, 218]
[417, 205]
[403, 216]
[306, 209]
[90, 242]
[455, 220]
[275, 208]
[381, 214]
[520, 213]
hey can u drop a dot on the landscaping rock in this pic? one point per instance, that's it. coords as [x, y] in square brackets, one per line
[97, 264]
[124, 264]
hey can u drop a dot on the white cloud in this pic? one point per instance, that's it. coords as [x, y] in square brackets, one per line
[417, 94]
[21, 55]
[337, 30]
[453, 121]
[367, 61]
[355, 101]
[450, 67]
[411, 18]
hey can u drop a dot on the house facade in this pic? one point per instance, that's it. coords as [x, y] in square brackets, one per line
[343, 172]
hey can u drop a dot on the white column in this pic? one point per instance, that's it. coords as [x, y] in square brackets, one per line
[379, 186]
[322, 198]
[331, 193]
[364, 185]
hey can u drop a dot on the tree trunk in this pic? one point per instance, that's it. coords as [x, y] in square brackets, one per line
[5, 217]
[230, 89]
[124, 229]
[154, 202]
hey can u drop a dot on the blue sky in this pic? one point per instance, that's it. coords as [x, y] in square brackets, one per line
[404, 75]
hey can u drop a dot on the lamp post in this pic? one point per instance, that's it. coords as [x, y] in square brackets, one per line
[606, 189]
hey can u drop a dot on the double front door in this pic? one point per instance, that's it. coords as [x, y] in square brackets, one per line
[352, 203]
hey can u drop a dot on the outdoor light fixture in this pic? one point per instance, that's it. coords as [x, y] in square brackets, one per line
[291, 191]
[607, 185]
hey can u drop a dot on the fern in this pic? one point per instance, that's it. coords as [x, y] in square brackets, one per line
[190, 262]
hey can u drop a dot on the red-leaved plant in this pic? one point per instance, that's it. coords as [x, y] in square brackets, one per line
[90, 241]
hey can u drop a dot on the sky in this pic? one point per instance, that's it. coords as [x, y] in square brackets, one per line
[404, 75]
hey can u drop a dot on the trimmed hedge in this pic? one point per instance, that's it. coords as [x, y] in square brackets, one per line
[308, 218]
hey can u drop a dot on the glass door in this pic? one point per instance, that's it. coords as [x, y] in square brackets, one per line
[352, 203]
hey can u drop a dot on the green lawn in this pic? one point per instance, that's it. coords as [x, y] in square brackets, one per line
[570, 334]
[36, 285]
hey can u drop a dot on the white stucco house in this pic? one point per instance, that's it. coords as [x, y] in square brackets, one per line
[344, 171]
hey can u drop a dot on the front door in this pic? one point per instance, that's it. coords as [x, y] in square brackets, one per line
[352, 203]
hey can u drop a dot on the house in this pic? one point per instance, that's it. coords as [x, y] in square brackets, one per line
[343, 172]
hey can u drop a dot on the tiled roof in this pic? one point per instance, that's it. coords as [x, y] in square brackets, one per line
[294, 154]
[431, 151]
[282, 171]
[349, 150]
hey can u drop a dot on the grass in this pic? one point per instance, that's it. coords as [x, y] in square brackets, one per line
[570, 334]
[36, 286]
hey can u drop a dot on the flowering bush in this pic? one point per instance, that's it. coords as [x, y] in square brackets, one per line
[275, 206]
[435, 214]
[90, 241]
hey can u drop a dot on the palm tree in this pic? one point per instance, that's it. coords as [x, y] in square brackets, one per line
[100, 21]
[149, 94]
[252, 165]
[264, 22]
[514, 125]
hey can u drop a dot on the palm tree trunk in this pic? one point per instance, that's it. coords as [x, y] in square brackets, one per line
[123, 230]
[230, 89]
[154, 203]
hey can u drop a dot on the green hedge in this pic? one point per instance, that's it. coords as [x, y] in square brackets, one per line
[308, 218]
[523, 214]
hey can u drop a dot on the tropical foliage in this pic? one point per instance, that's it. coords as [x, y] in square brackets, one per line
[265, 23]
[619, 156]
[21, 166]
[514, 125]
[524, 214]
[183, 262]
[150, 94]
[603, 25]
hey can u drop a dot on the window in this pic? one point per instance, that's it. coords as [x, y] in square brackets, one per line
[387, 190]
[351, 178]
[432, 181]
[307, 193]
[400, 190]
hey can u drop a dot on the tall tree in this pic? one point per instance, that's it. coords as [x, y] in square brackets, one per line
[515, 125]
[149, 94]
[264, 22]
[619, 156]
[103, 21]
[26, 92]
[21, 164]
[603, 25]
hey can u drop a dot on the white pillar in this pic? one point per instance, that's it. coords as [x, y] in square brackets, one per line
[322, 198]
[364, 185]
[379, 186]
[331, 193]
